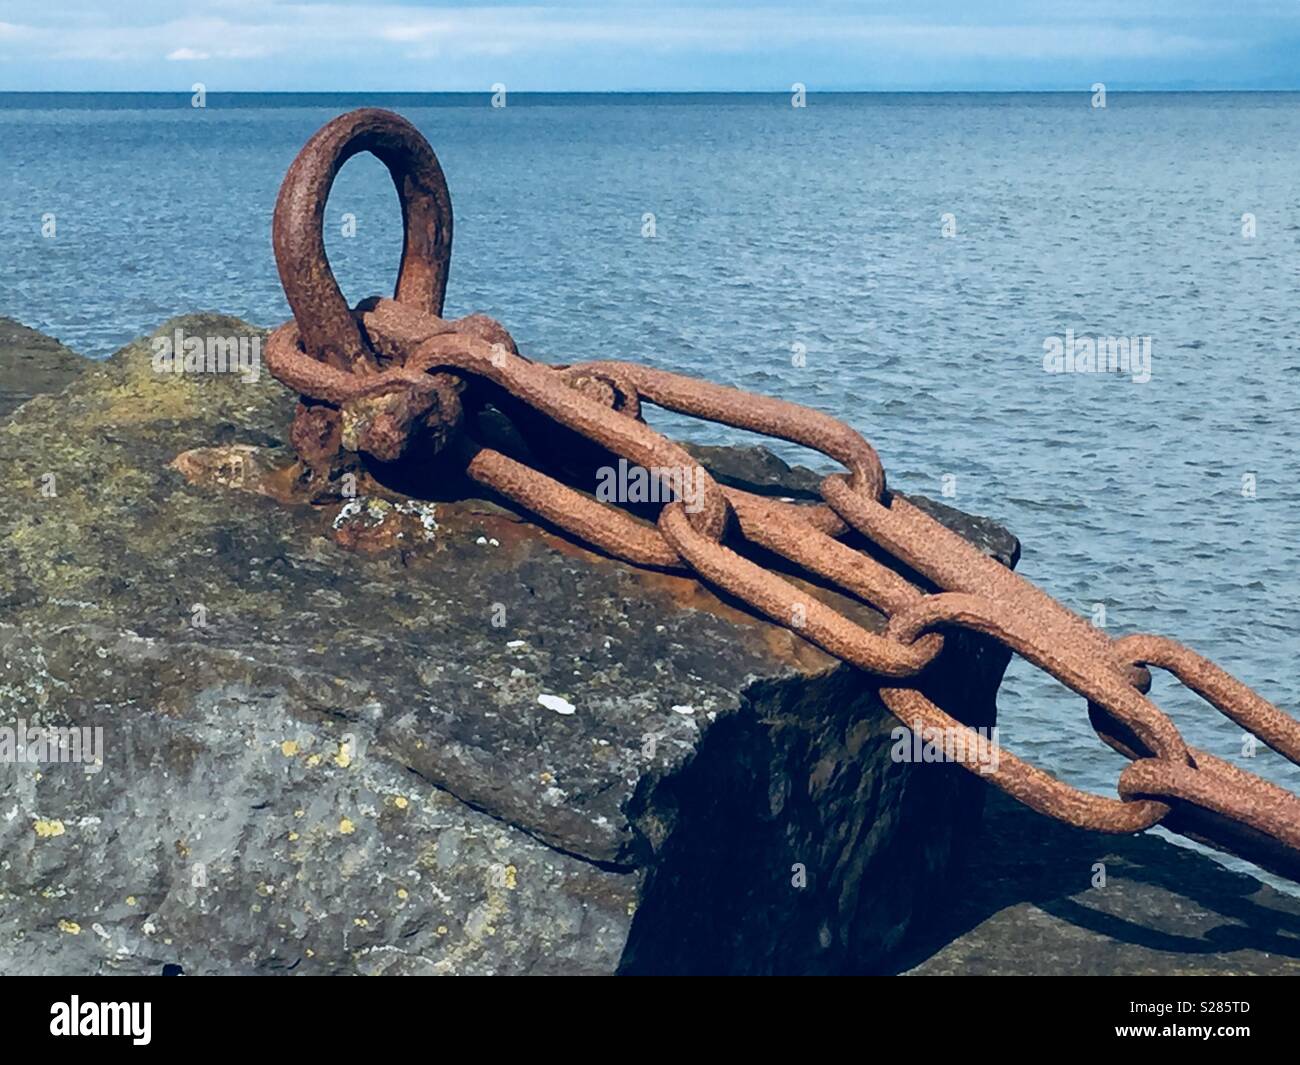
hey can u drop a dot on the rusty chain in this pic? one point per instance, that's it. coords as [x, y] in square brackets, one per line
[374, 379]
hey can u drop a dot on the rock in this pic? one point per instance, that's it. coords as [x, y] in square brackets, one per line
[32, 364]
[381, 735]
[1032, 903]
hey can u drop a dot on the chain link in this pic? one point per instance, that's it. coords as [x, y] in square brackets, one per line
[373, 379]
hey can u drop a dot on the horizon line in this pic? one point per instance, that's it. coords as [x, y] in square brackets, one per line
[1110, 90]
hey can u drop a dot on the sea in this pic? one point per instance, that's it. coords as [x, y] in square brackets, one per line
[955, 275]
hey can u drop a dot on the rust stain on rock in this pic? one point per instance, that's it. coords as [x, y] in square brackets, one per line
[243, 468]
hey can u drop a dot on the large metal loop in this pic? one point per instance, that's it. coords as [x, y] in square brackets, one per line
[328, 329]
[761, 414]
[1219, 804]
[1077, 670]
[787, 605]
[1219, 688]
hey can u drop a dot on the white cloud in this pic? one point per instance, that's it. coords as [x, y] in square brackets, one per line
[608, 44]
[233, 30]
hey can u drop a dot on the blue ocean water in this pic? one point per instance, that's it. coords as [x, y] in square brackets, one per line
[821, 231]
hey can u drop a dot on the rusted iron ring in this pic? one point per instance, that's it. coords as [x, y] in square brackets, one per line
[329, 330]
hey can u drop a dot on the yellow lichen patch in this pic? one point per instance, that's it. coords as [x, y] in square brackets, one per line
[442, 929]
[344, 758]
[347, 827]
[401, 802]
[402, 893]
[30, 538]
[130, 900]
[361, 922]
[313, 760]
[144, 397]
[547, 778]
[48, 829]
[293, 837]
[289, 748]
[300, 813]
[512, 877]
[71, 927]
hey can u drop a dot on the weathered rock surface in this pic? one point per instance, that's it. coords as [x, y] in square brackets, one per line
[326, 747]
[32, 364]
[323, 750]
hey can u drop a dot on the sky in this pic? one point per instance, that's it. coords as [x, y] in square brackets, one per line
[673, 45]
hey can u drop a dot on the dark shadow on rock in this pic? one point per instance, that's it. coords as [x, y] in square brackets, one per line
[1163, 908]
